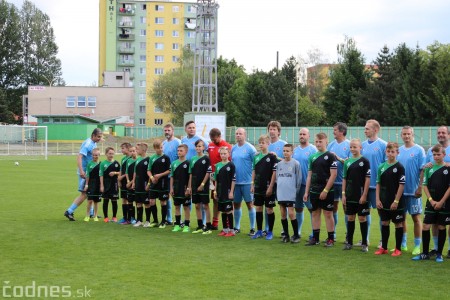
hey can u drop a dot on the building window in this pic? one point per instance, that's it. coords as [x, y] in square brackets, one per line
[142, 83]
[175, 8]
[142, 109]
[191, 9]
[158, 109]
[143, 45]
[159, 58]
[142, 70]
[158, 122]
[142, 57]
[142, 97]
[144, 6]
[175, 46]
[159, 71]
[70, 101]
[191, 34]
[63, 120]
[92, 101]
[81, 101]
[45, 120]
[159, 33]
[175, 21]
[175, 33]
[159, 46]
[141, 121]
[175, 58]
[159, 20]
[143, 20]
[143, 32]
[159, 7]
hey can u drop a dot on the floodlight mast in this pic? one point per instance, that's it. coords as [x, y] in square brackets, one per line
[204, 89]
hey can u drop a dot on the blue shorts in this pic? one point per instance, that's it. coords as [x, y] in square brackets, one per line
[413, 205]
[81, 183]
[372, 198]
[337, 192]
[242, 192]
[299, 199]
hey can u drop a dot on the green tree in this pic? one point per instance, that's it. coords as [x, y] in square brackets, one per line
[6, 115]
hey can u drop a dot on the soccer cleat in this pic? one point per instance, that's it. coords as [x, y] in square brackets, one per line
[138, 224]
[282, 235]
[396, 253]
[87, 218]
[404, 248]
[364, 248]
[329, 243]
[186, 229]
[347, 247]
[168, 223]
[69, 216]
[264, 233]
[207, 231]
[95, 219]
[222, 233]
[295, 239]
[358, 244]
[125, 223]
[114, 219]
[236, 230]
[432, 253]
[439, 258]
[146, 224]
[230, 233]
[421, 256]
[133, 221]
[257, 235]
[153, 225]
[198, 230]
[162, 225]
[312, 242]
[285, 239]
[381, 251]
[106, 220]
[121, 220]
[416, 250]
[269, 235]
[177, 228]
[214, 227]
[252, 232]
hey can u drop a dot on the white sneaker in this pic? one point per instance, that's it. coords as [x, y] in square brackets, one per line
[138, 223]
[146, 224]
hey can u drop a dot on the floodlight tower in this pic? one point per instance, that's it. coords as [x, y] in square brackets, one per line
[204, 91]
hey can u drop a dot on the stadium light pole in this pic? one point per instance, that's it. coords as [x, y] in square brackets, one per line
[50, 83]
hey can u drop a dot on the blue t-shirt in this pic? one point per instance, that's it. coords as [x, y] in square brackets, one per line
[277, 148]
[375, 152]
[342, 150]
[430, 155]
[413, 160]
[86, 151]
[242, 157]
[190, 142]
[170, 148]
[301, 155]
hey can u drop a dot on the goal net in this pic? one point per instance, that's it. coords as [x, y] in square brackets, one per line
[26, 142]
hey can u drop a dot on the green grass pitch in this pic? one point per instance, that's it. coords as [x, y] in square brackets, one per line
[38, 244]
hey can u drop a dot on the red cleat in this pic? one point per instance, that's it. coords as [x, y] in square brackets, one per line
[381, 251]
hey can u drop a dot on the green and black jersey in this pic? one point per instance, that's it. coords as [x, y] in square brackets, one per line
[159, 164]
[320, 164]
[130, 168]
[199, 166]
[140, 174]
[180, 176]
[390, 177]
[123, 171]
[437, 180]
[224, 175]
[264, 166]
[356, 170]
[92, 172]
[110, 183]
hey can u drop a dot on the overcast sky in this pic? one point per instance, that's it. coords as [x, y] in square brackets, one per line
[252, 31]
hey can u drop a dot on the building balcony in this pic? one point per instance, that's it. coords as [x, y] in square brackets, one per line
[128, 10]
[126, 37]
[125, 50]
[126, 63]
[126, 24]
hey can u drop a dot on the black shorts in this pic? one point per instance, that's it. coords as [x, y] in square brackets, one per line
[225, 207]
[94, 198]
[124, 194]
[161, 195]
[141, 198]
[203, 199]
[261, 200]
[182, 201]
[327, 204]
[396, 216]
[131, 196]
[352, 208]
[110, 196]
[286, 203]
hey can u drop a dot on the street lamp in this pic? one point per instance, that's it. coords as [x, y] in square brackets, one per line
[50, 83]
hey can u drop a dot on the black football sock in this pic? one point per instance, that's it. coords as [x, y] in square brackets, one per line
[140, 213]
[331, 235]
[259, 220]
[231, 220]
[316, 234]
[398, 237]
[441, 240]
[115, 208]
[105, 208]
[294, 224]
[177, 220]
[186, 223]
[154, 211]
[271, 219]
[208, 225]
[363, 227]
[350, 231]
[199, 223]
[426, 241]
[284, 223]
[385, 232]
[147, 214]
[163, 213]
[224, 221]
[125, 211]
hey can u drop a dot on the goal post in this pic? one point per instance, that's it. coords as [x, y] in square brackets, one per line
[26, 141]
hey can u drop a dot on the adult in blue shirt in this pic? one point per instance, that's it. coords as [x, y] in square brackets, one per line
[83, 158]
[242, 155]
[190, 138]
[340, 147]
[170, 148]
